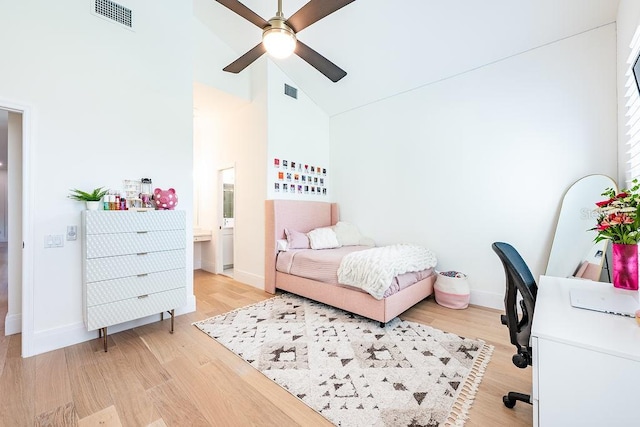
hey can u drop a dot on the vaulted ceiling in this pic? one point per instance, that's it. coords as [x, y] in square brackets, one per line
[389, 47]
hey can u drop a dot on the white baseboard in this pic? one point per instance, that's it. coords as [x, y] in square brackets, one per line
[487, 299]
[53, 339]
[12, 324]
[249, 278]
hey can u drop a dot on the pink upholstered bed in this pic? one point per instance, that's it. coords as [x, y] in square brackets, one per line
[305, 216]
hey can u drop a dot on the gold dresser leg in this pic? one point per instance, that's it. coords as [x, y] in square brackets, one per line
[102, 333]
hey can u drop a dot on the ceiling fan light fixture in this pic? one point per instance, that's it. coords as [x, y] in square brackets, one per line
[278, 39]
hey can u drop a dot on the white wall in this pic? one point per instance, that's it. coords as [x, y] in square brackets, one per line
[108, 104]
[481, 157]
[232, 132]
[628, 21]
[298, 131]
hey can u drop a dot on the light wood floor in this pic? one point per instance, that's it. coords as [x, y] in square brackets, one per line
[151, 377]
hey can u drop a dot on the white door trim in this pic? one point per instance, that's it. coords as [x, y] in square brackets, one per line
[220, 217]
[27, 224]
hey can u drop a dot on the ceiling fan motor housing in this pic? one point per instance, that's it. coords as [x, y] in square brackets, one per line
[278, 38]
[279, 35]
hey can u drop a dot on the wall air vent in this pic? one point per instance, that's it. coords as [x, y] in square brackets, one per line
[113, 11]
[290, 91]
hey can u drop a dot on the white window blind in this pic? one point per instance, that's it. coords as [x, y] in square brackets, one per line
[632, 115]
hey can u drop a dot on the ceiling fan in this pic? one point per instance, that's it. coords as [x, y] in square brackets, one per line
[279, 35]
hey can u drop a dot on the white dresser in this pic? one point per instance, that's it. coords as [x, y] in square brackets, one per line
[133, 266]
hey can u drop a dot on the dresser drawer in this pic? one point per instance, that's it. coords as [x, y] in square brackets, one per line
[105, 315]
[105, 245]
[128, 287]
[105, 222]
[97, 269]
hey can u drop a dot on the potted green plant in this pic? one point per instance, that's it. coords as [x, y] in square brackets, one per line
[93, 199]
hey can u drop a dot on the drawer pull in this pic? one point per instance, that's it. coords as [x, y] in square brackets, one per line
[143, 296]
[142, 232]
[143, 274]
[141, 253]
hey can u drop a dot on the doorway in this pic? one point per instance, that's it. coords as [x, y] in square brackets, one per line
[4, 261]
[15, 300]
[227, 226]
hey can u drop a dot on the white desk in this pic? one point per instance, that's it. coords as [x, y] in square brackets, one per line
[586, 365]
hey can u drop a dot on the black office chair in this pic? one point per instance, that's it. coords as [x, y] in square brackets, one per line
[520, 281]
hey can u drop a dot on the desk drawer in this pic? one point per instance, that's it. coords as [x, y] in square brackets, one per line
[104, 315]
[105, 245]
[98, 269]
[128, 287]
[105, 222]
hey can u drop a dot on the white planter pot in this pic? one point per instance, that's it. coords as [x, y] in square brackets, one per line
[93, 205]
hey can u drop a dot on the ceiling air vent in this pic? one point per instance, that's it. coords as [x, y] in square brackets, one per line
[113, 11]
[290, 91]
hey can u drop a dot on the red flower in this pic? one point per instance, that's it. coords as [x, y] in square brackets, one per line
[621, 195]
[620, 218]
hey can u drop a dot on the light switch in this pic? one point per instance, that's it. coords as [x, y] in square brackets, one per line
[53, 241]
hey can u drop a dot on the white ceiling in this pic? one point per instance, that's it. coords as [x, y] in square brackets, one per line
[389, 47]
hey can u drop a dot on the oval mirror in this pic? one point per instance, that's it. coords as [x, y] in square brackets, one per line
[573, 252]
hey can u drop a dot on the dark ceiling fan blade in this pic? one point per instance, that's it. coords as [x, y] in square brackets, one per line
[245, 60]
[319, 62]
[245, 12]
[314, 11]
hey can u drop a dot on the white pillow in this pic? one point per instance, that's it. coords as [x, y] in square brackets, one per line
[367, 241]
[282, 244]
[347, 234]
[323, 238]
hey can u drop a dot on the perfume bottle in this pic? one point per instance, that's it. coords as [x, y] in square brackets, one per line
[146, 192]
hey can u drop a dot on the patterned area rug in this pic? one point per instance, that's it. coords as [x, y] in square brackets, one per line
[351, 370]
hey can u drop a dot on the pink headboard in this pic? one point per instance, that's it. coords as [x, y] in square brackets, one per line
[298, 215]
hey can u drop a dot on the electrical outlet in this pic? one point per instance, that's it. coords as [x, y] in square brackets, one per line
[72, 232]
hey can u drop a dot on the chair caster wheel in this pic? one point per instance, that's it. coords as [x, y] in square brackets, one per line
[509, 403]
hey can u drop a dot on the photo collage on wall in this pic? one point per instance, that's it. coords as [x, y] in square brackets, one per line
[299, 178]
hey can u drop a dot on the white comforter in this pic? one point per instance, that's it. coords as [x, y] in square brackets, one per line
[373, 269]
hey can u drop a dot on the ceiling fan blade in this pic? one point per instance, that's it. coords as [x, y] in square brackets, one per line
[245, 12]
[245, 60]
[319, 62]
[314, 11]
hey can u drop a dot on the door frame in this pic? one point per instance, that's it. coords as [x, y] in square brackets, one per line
[25, 239]
[220, 217]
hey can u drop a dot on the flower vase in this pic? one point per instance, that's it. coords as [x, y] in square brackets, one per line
[625, 266]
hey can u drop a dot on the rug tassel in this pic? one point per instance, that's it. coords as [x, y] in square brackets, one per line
[467, 393]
